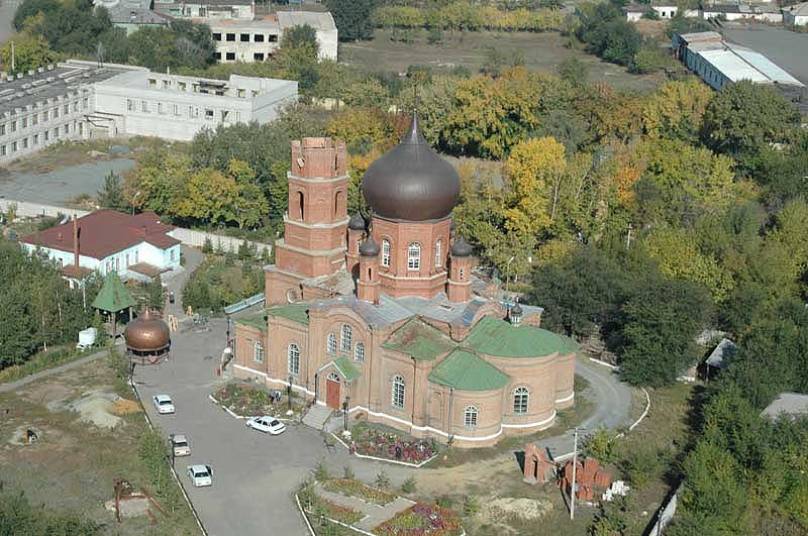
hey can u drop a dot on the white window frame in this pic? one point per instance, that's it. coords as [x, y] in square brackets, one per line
[258, 352]
[359, 352]
[331, 344]
[385, 252]
[470, 417]
[346, 338]
[398, 392]
[521, 399]
[414, 256]
[438, 252]
[293, 359]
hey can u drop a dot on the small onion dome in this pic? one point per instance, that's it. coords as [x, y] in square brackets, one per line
[147, 333]
[411, 182]
[369, 248]
[461, 248]
[357, 222]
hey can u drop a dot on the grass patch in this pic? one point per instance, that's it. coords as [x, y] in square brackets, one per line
[42, 361]
[355, 488]
[565, 419]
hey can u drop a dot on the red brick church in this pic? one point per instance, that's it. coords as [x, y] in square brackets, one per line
[386, 316]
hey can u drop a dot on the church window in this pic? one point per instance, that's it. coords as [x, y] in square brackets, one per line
[345, 340]
[258, 353]
[438, 248]
[359, 352]
[520, 399]
[294, 359]
[414, 256]
[470, 417]
[385, 252]
[332, 344]
[398, 392]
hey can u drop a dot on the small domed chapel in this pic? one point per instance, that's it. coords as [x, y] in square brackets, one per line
[384, 316]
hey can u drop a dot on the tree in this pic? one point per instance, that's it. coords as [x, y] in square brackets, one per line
[30, 52]
[353, 18]
[300, 36]
[19, 517]
[154, 290]
[675, 110]
[743, 117]
[573, 70]
[111, 193]
[659, 326]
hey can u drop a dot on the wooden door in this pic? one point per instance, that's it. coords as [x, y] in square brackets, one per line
[332, 393]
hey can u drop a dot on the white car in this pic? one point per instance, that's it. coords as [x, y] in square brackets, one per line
[201, 475]
[163, 404]
[180, 445]
[267, 424]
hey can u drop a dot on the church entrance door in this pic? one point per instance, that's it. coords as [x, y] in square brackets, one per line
[332, 391]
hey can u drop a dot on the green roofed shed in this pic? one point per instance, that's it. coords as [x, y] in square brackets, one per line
[495, 337]
[419, 340]
[296, 312]
[465, 371]
[346, 368]
[113, 296]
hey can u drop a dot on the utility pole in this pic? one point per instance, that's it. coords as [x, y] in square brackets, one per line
[574, 467]
[13, 63]
[628, 237]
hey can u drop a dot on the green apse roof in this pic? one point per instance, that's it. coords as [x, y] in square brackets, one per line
[256, 320]
[346, 368]
[297, 312]
[495, 337]
[419, 340]
[113, 296]
[465, 371]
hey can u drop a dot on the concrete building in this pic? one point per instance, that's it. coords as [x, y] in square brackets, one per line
[387, 320]
[132, 15]
[207, 9]
[734, 12]
[258, 39]
[663, 10]
[105, 241]
[796, 15]
[81, 100]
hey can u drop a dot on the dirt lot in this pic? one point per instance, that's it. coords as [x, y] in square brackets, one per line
[541, 52]
[77, 456]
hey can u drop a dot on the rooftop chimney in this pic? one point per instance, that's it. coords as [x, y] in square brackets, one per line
[75, 241]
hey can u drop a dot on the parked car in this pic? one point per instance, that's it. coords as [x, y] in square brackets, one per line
[267, 424]
[201, 475]
[163, 404]
[180, 445]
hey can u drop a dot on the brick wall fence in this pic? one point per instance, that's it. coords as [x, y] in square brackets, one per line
[188, 237]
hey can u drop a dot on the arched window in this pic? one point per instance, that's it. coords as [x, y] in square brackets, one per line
[470, 417]
[385, 252]
[337, 203]
[414, 256]
[345, 340]
[294, 359]
[438, 248]
[301, 204]
[520, 399]
[398, 392]
[331, 347]
[359, 352]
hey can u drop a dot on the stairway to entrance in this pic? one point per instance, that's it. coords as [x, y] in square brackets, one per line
[317, 416]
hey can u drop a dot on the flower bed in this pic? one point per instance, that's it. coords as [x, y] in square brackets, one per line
[422, 519]
[371, 441]
[355, 488]
[251, 401]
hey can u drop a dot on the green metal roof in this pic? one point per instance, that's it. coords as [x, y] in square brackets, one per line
[296, 312]
[256, 320]
[346, 368]
[465, 371]
[113, 296]
[419, 340]
[496, 337]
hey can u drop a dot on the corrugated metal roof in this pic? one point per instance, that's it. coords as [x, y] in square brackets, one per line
[764, 65]
[732, 66]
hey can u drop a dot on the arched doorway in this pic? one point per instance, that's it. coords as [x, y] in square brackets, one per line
[332, 386]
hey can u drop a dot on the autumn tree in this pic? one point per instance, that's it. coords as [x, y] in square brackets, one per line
[675, 110]
[30, 52]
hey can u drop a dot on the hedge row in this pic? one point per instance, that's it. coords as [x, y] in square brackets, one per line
[465, 16]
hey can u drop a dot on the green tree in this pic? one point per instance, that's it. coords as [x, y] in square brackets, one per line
[111, 193]
[573, 70]
[30, 52]
[353, 18]
[154, 291]
[300, 36]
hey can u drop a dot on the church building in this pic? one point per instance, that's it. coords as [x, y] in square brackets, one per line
[385, 318]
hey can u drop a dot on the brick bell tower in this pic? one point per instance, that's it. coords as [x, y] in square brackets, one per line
[315, 225]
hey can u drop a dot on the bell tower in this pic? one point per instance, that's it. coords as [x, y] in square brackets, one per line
[315, 225]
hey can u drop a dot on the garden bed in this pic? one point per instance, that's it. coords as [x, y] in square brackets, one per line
[387, 444]
[355, 488]
[422, 519]
[248, 400]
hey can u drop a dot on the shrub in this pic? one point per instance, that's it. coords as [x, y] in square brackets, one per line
[348, 473]
[321, 471]
[471, 505]
[207, 247]
[601, 445]
[409, 485]
[444, 501]
[382, 480]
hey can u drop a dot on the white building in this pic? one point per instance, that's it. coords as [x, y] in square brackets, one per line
[80, 100]
[258, 39]
[663, 10]
[796, 15]
[732, 12]
[207, 9]
[138, 246]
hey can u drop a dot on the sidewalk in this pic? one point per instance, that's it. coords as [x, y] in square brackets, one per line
[375, 514]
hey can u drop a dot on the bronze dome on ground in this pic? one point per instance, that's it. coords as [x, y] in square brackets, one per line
[411, 182]
[147, 334]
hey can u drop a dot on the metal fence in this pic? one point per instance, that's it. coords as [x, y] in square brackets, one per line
[189, 237]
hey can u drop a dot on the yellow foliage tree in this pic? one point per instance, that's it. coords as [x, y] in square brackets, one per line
[676, 109]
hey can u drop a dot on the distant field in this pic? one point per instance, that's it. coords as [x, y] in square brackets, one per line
[541, 52]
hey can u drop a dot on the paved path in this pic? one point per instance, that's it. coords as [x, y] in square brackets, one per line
[176, 281]
[375, 514]
[12, 386]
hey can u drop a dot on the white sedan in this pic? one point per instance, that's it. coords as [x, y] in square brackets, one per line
[201, 475]
[266, 424]
[163, 404]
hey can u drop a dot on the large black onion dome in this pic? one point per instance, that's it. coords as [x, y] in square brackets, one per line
[369, 248]
[461, 248]
[357, 222]
[411, 182]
